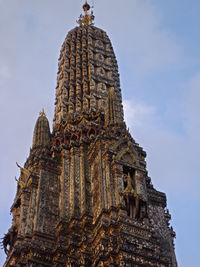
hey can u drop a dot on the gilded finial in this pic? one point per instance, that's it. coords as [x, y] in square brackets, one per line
[42, 113]
[86, 19]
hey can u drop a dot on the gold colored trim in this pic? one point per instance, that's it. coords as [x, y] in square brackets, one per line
[86, 19]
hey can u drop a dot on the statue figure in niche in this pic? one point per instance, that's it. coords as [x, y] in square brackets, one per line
[136, 207]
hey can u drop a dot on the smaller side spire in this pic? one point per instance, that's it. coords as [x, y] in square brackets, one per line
[42, 135]
[86, 19]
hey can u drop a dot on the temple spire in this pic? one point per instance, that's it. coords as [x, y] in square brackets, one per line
[41, 137]
[87, 18]
[84, 197]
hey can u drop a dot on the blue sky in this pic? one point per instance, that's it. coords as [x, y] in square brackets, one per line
[157, 47]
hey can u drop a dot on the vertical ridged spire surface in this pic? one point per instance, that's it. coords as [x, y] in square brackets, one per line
[41, 137]
[87, 70]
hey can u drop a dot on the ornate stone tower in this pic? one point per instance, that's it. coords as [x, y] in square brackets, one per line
[84, 197]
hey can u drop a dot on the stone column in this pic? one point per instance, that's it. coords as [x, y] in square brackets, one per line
[72, 183]
[75, 182]
[31, 211]
[24, 210]
[110, 187]
[65, 186]
[118, 182]
[82, 180]
[77, 189]
[140, 184]
[102, 178]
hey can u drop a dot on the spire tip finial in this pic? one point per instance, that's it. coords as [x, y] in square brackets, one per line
[86, 19]
[42, 113]
[86, 6]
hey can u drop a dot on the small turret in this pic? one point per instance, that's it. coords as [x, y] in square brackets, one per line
[41, 137]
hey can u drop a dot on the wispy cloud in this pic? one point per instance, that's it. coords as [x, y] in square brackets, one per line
[137, 113]
[170, 156]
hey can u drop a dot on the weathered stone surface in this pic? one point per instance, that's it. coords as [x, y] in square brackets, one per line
[87, 71]
[87, 199]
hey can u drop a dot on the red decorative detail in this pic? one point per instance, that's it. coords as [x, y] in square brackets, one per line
[92, 130]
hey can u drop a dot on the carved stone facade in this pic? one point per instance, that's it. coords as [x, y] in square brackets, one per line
[84, 197]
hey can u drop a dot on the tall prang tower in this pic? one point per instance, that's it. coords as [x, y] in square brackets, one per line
[84, 197]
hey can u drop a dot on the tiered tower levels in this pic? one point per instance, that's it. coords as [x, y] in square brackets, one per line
[84, 197]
